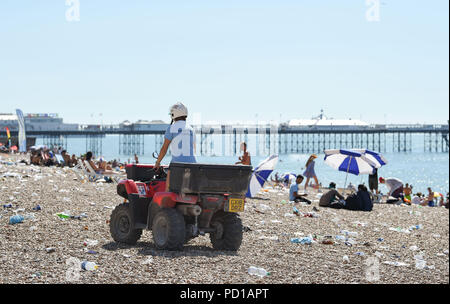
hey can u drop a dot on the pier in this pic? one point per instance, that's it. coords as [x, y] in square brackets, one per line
[281, 139]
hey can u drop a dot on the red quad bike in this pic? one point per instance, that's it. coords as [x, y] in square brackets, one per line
[202, 199]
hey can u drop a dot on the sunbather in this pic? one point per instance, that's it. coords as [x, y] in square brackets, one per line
[295, 195]
[331, 197]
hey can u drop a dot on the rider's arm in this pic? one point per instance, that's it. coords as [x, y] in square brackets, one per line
[162, 153]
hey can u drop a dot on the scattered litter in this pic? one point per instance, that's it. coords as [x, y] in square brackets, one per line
[345, 259]
[147, 261]
[89, 266]
[260, 272]
[50, 249]
[306, 240]
[16, 219]
[397, 264]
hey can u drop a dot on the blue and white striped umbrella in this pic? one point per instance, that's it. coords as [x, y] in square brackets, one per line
[375, 157]
[349, 161]
[289, 176]
[261, 174]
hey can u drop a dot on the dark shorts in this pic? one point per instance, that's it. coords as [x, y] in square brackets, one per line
[373, 184]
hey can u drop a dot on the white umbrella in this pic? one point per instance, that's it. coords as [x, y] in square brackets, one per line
[261, 174]
[349, 161]
[375, 157]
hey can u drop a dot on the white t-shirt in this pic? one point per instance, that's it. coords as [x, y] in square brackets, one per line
[393, 184]
[415, 200]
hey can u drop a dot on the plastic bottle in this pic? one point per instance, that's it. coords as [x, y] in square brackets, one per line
[15, 219]
[88, 266]
[260, 272]
[63, 215]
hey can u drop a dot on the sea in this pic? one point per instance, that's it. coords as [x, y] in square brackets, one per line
[419, 168]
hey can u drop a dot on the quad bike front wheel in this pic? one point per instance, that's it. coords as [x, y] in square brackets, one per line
[121, 226]
[228, 231]
[169, 229]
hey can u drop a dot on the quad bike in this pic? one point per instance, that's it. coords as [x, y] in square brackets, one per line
[203, 199]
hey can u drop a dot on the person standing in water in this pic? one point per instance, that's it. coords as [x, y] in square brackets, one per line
[181, 139]
[309, 172]
[245, 158]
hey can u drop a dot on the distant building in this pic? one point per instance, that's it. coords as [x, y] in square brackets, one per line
[145, 125]
[36, 122]
[322, 122]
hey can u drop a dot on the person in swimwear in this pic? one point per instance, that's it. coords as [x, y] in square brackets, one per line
[245, 158]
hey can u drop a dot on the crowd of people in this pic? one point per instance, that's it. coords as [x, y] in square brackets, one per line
[361, 198]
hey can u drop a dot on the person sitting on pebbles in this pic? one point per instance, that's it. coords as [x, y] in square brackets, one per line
[294, 195]
[332, 198]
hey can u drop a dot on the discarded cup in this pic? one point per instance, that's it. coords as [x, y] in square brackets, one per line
[260, 272]
[89, 266]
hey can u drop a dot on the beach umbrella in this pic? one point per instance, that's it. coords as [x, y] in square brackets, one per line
[289, 177]
[437, 194]
[349, 161]
[375, 157]
[261, 174]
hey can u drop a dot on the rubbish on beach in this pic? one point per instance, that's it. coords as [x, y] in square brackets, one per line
[327, 242]
[350, 242]
[147, 261]
[89, 266]
[260, 272]
[359, 224]
[359, 253]
[397, 264]
[89, 242]
[37, 208]
[16, 219]
[398, 229]
[262, 208]
[272, 238]
[289, 215]
[306, 240]
[92, 252]
[351, 233]
[276, 221]
[63, 215]
[7, 205]
[283, 202]
[345, 259]
[33, 228]
[380, 239]
[50, 249]
[414, 248]
[415, 227]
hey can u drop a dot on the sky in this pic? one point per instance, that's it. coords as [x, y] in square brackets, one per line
[226, 60]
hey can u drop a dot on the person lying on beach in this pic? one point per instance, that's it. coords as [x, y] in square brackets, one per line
[294, 195]
[98, 170]
[330, 198]
[66, 158]
[245, 158]
[277, 181]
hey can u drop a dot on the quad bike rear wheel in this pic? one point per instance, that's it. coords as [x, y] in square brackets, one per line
[229, 233]
[169, 229]
[121, 226]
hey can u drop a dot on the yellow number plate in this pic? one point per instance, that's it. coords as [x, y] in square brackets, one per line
[235, 205]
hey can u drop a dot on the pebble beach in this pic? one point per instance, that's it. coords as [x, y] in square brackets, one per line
[393, 244]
